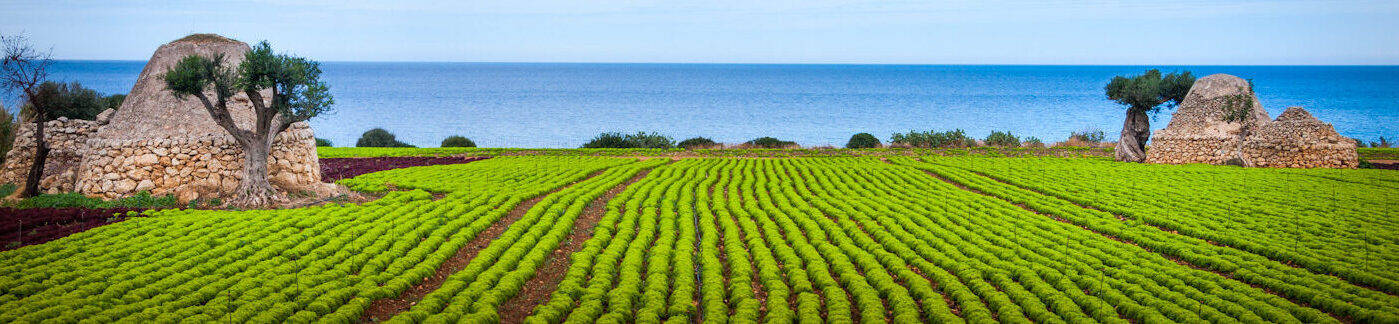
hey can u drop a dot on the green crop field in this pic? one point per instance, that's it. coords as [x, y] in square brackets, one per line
[907, 237]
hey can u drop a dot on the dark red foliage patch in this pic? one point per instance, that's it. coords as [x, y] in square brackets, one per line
[344, 168]
[29, 226]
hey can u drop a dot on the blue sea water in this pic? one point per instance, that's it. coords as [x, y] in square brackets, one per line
[565, 104]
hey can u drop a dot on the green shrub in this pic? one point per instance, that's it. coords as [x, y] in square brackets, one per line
[323, 142]
[770, 143]
[1383, 143]
[140, 200]
[7, 189]
[1033, 142]
[113, 101]
[143, 200]
[1002, 139]
[862, 140]
[934, 139]
[697, 143]
[608, 140]
[652, 141]
[457, 141]
[638, 140]
[379, 137]
[73, 100]
[8, 126]
[1093, 136]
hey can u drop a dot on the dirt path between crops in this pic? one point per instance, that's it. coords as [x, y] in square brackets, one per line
[551, 273]
[385, 308]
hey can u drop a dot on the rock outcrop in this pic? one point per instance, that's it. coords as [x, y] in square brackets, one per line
[1198, 132]
[1298, 140]
[157, 143]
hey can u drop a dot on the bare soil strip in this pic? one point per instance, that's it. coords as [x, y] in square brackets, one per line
[551, 273]
[1179, 261]
[385, 308]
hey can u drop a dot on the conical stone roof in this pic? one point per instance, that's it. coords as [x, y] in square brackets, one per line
[150, 111]
[1201, 114]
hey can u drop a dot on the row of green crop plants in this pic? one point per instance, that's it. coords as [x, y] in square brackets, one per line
[323, 263]
[712, 240]
[361, 152]
[1340, 222]
[1324, 292]
[498, 272]
[854, 239]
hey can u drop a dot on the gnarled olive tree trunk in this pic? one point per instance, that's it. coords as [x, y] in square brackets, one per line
[1136, 130]
[254, 189]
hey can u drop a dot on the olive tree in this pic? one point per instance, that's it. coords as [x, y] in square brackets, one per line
[1144, 94]
[24, 70]
[297, 94]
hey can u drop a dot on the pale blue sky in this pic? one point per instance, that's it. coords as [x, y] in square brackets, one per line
[1155, 32]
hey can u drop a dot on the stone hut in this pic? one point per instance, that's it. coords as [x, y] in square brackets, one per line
[1198, 133]
[1298, 140]
[157, 143]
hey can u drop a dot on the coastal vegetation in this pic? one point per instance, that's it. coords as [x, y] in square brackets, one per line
[1002, 139]
[933, 139]
[768, 142]
[1033, 142]
[624, 141]
[297, 94]
[8, 126]
[71, 101]
[457, 141]
[1144, 95]
[379, 137]
[862, 140]
[1090, 136]
[699, 142]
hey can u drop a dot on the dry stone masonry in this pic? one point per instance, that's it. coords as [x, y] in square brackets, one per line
[1198, 132]
[67, 139]
[1298, 140]
[163, 145]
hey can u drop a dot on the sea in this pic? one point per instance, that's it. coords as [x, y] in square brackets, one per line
[563, 105]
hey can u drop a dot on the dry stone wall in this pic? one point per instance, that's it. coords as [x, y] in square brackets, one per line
[1298, 140]
[192, 168]
[66, 138]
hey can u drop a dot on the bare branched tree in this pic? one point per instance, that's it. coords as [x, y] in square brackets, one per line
[24, 70]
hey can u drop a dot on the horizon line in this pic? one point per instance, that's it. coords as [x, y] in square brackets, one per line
[808, 63]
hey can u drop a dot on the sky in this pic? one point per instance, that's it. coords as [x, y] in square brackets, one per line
[1074, 32]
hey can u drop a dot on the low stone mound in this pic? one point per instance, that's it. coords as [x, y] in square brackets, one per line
[1197, 132]
[1298, 140]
